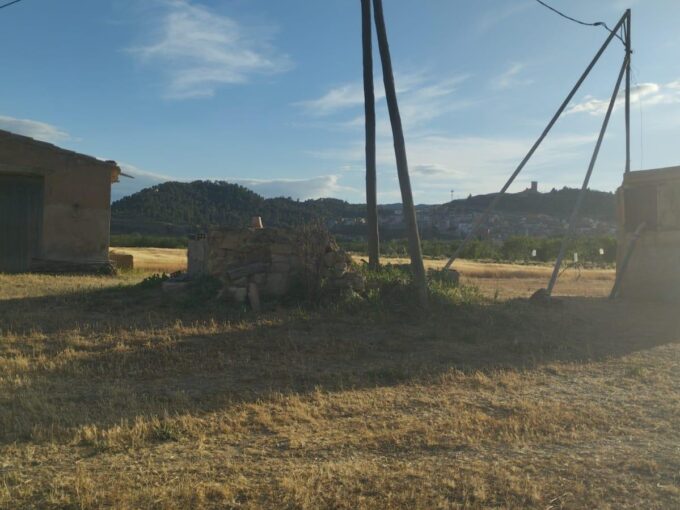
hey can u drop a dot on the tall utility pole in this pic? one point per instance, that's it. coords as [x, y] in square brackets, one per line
[414, 247]
[369, 106]
[629, 53]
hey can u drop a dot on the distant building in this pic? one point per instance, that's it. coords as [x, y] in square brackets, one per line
[534, 186]
[55, 207]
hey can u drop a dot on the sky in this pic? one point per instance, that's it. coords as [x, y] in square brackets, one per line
[268, 93]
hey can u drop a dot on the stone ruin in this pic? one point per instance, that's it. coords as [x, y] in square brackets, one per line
[272, 262]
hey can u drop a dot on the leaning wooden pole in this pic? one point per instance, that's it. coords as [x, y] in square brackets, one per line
[369, 107]
[415, 249]
[586, 181]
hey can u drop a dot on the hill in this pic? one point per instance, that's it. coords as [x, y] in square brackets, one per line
[599, 205]
[180, 208]
[184, 207]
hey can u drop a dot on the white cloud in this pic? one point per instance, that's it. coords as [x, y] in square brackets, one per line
[314, 187]
[648, 94]
[201, 50]
[138, 180]
[469, 164]
[510, 77]
[34, 129]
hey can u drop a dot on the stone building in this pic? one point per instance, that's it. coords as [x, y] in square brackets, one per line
[649, 207]
[55, 207]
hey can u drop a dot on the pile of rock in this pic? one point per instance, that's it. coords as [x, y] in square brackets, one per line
[272, 262]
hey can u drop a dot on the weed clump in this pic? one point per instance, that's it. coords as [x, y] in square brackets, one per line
[391, 289]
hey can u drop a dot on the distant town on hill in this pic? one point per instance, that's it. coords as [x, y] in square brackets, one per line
[184, 208]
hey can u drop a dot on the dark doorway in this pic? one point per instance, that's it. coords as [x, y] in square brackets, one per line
[21, 210]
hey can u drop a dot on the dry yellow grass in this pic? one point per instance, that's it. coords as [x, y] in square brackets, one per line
[506, 281]
[112, 395]
[156, 259]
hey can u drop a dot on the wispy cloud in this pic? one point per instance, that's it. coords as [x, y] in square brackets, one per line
[201, 50]
[511, 77]
[351, 95]
[648, 94]
[337, 99]
[496, 15]
[421, 98]
[34, 128]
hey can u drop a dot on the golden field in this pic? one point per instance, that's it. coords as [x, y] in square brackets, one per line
[114, 395]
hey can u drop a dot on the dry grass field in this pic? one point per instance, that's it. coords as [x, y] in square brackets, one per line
[500, 280]
[113, 395]
[157, 259]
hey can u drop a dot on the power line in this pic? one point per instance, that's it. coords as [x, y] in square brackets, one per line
[584, 23]
[9, 3]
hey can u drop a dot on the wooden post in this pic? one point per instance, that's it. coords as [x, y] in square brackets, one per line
[369, 106]
[415, 249]
[629, 52]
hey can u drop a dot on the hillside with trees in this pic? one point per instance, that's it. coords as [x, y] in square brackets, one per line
[180, 208]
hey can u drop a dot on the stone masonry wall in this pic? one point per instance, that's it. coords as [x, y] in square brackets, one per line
[273, 262]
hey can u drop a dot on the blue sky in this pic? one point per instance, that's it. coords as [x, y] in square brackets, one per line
[268, 93]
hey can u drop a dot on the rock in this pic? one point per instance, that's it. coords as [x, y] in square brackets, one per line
[238, 294]
[329, 259]
[254, 297]
[277, 284]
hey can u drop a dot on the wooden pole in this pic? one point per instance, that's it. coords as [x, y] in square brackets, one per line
[369, 107]
[415, 249]
[482, 219]
[629, 52]
[586, 180]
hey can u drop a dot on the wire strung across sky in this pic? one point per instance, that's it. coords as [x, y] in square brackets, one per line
[584, 23]
[9, 3]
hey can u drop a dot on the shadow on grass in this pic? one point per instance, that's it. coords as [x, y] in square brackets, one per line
[106, 356]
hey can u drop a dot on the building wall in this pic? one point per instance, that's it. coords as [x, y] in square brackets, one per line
[77, 195]
[77, 217]
[654, 267]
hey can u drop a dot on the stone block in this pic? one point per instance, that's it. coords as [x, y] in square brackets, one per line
[238, 294]
[282, 249]
[277, 284]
